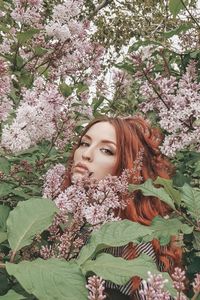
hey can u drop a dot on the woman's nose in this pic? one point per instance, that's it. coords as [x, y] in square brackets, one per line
[88, 154]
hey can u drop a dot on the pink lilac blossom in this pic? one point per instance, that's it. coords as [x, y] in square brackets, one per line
[178, 277]
[96, 201]
[5, 88]
[96, 288]
[53, 181]
[178, 107]
[154, 288]
[196, 283]
[38, 117]
[28, 12]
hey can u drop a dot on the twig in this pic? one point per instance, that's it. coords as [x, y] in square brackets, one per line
[190, 14]
[103, 4]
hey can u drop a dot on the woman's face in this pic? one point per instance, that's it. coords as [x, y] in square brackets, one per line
[97, 153]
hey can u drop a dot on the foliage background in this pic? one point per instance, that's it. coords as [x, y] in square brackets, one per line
[61, 64]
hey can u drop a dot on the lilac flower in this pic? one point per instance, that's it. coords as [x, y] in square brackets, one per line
[154, 288]
[53, 181]
[40, 115]
[178, 107]
[196, 283]
[96, 201]
[96, 288]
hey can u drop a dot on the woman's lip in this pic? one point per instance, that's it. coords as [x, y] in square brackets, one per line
[81, 168]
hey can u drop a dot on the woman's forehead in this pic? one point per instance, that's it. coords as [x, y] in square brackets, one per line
[103, 131]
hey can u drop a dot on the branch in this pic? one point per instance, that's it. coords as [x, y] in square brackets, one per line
[103, 4]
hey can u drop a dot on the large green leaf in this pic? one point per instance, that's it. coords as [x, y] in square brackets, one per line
[119, 270]
[113, 234]
[171, 191]
[148, 189]
[50, 279]
[12, 295]
[175, 6]
[191, 199]
[164, 229]
[28, 219]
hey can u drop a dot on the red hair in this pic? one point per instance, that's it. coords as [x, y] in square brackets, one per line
[134, 136]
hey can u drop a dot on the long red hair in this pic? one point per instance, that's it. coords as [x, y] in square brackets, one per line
[134, 136]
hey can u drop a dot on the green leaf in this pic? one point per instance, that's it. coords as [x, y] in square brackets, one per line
[4, 165]
[178, 30]
[175, 6]
[5, 189]
[40, 51]
[4, 212]
[191, 199]
[164, 229]
[50, 279]
[140, 43]
[12, 295]
[196, 241]
[113, 234]
[4, 282]
[65, 89]
[119, 270]
[23, 37]
[28, 219]
[148, 189]
[171, 191]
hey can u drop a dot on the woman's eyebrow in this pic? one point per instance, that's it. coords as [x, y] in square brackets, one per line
[86, 136]
[109, 141]
[103, 141]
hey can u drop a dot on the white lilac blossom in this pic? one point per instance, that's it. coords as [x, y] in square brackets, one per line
[96, 288]
[178, 108]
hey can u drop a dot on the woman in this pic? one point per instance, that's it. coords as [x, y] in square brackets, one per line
[108, 146]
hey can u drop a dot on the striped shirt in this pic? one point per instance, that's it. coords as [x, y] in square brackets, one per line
[125, 252]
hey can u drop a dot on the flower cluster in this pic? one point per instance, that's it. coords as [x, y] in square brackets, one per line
[154, 288]
[95, 200]
[178, 106]
[39, 116]
[53, 181]
[84, 206]
[96, 288]
[28, 12]
[5, 87]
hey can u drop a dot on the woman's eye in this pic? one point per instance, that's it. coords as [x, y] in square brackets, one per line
[84, 144]
[107, 151]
